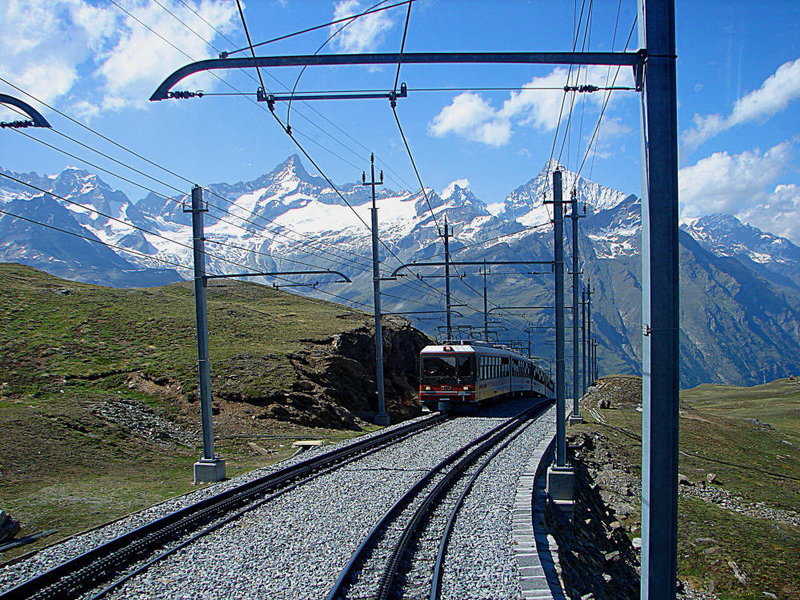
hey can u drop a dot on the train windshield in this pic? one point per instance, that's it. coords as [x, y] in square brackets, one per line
[447, 369]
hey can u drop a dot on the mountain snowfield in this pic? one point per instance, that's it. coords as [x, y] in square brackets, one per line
[740, 285]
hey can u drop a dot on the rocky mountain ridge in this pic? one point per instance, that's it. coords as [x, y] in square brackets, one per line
[740, 286]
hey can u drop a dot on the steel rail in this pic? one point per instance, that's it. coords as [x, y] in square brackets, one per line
[478, 446]
[438, 567]
[73, 577]
[504, 438]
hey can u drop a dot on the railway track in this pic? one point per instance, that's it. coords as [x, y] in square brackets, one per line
[131, 553]
[393, 561]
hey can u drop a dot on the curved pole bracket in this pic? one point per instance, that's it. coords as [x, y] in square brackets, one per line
[37, 120]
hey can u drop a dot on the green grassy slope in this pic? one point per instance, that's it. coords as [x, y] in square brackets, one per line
[70, 352]
[749, 439]
[776, 403]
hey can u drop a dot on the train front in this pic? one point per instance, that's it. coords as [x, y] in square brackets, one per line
[447, 376]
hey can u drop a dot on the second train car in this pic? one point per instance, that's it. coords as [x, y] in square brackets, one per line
[469, 373]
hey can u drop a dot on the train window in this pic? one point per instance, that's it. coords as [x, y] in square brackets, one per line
[447, 367]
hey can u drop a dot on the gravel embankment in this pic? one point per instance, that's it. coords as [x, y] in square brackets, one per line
[296, 545]
[48, 558]
[480, 561]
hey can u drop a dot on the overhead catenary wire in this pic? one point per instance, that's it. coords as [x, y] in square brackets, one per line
[310, 121]
[94, 240]
[318, 50]
[299, 113]
[372, 10]
[608, 70]
[310, 242]
[137, 155]
[290, 133]
[162, 196]
[402, 48]
[605, 105]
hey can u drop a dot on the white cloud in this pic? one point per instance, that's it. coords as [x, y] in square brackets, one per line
[470, 116]
[774, 95]
[724, 183]
[98, 57]
[140, 59]
[744, 185]
[778, 213]
[363, 34]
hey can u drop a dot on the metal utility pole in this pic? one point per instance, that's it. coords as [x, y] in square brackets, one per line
[660, 297]
[575, 417]
[486, 307]
[559, 475]
[210, 467]
[447, 277]
[583, 335]
[589, 293]
[382, 418]
[558, 255]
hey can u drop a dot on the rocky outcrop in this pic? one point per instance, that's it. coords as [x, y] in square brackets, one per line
[332, 384]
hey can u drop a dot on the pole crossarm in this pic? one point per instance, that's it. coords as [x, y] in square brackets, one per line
[464, 263]
[36, 117]
[631, 59]
[519, 308]
[345, 278]
[424, 312]
[273, 98]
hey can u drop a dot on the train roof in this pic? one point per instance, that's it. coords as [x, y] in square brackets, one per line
[468, 347]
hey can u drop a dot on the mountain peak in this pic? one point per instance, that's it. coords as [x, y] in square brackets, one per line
[457, 187]
[292, 166]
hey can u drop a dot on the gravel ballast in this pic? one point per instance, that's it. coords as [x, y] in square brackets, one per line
[296, 545]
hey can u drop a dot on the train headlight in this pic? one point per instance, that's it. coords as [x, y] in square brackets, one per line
[427, 388]
[466, 388]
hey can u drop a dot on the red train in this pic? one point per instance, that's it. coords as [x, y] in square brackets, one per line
[469, 373]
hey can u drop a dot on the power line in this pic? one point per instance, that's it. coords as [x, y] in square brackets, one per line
[288, 131]
[416, 171]
[605, 105]
[372, 10]
[310, 242]
[94, 240]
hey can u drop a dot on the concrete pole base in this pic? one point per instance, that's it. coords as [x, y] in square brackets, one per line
[560, 484]
[209, 470]
[575, 419]
[382, 420]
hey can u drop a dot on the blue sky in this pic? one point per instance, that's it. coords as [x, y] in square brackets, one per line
[97, 61]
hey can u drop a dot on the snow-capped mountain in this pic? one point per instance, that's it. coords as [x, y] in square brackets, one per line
[740, 286]
[526, 204]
